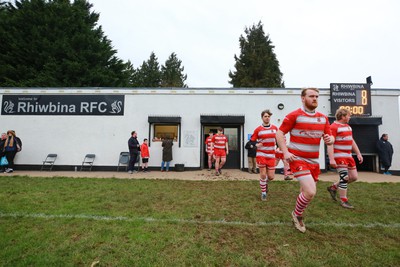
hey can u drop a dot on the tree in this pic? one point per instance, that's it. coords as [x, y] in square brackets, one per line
[172, 73]
[56, 43]
[149, 74]
[257, 65]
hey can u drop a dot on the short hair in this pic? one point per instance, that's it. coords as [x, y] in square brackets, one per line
[384, 135]
[133, 132]
[220, 129]
[304, 90]
[145, 139]
[266, 111]
[341, 112]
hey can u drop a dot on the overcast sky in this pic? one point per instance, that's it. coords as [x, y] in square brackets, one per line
[316, 42]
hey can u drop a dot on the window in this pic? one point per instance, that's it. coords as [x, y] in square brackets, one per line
[162, 131]
[161, 127]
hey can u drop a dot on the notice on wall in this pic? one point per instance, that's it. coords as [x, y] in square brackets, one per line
[190, 138]
[70, 105]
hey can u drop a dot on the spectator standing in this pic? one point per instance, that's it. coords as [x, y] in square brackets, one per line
[264, 139]
[134, 148]
[2, 153]
[306, 127]
[385, 151]
[167, 153]
[251, 156]
[209, 150]
[12, 145]
[221, 150]
[145, 154]
[340, 156]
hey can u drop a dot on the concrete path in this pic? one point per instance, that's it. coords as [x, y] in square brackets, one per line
[229, 175]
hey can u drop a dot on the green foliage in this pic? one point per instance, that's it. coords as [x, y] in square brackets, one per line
[151, 75]
[257, 65]
[172, 73]
[56, 43]
[138, 222]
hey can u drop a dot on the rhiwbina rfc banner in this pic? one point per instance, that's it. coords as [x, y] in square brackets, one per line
[94, 105]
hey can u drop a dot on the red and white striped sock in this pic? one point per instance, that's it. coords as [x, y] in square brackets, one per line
[263, 184]
[301, 204]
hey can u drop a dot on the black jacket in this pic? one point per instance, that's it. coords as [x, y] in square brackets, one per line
[251, 149]
[133, 145]
[385, 151]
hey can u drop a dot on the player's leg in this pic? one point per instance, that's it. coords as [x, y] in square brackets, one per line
[346, 176]
[217, 160]
[209, 161]
[263, 182]
[308, 190]
[307, 175]
[222, 163]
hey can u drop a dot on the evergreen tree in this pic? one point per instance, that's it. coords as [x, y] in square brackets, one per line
[149, 74]
[56, 43]
[257, 65]
[172, 73]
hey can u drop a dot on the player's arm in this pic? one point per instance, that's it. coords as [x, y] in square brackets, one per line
[332, 161]
[357, 151]
[329, 139]
[227, 147]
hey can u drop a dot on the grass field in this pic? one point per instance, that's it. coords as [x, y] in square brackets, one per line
[116, 222]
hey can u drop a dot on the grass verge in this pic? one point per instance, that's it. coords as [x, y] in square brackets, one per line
[76, 222]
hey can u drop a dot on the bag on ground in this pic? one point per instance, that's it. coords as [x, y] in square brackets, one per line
[3, 161]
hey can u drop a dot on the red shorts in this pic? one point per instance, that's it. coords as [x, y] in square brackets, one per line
[301, 168]
[279, 155]
[210, 153]
[220, 153]
[347, 163]
[263, 162]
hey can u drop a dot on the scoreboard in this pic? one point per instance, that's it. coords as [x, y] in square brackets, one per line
[355, 97]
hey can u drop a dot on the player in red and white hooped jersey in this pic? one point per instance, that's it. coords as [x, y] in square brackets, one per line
[340, 156]
[306, 127]
[220, 146]
[264, 139]
[209, 150]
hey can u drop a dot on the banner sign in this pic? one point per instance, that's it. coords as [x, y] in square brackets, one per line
[70, 105]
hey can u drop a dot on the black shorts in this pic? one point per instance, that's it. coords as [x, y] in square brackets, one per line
[145, 160]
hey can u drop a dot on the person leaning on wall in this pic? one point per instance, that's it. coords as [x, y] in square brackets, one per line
[2, 153]
[385, 151]
[12, 145]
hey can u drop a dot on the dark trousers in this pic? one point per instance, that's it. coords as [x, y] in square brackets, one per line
[10, 155]
[132, 161]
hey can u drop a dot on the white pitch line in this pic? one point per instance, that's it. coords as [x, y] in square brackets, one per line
[216, 222]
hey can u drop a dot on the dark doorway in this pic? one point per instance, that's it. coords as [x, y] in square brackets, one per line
[232, 132]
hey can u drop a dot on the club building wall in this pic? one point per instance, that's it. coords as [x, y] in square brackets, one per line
[73, 136]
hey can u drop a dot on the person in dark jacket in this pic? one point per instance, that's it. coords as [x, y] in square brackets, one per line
[134, 149]
[385, 151]
[167, 153]
[2, 153]
[251, 156]
[11, 147]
